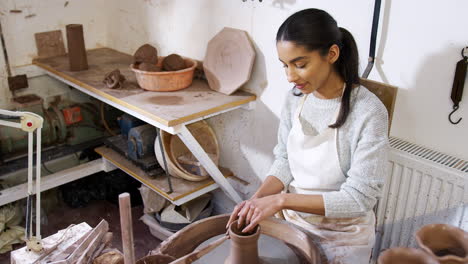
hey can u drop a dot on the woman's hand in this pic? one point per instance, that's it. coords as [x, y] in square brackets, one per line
[251, 212]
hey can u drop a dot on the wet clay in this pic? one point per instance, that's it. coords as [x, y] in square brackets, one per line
[448, 244]
[149, 67]
[76, 48]
[146, 53]
[114, 79]
[244, 246]
[405, 256]
[173, 62]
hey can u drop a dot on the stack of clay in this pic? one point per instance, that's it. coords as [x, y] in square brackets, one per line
[439, 243]
[146, 59]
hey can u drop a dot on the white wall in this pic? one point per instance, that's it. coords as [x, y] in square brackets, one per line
[418, 47]
[48, 15]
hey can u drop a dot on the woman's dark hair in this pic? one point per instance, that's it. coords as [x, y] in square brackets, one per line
[315, 29]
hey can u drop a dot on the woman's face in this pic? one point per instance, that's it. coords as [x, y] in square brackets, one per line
[307, 70]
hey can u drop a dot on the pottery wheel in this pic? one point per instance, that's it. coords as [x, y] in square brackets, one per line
[270, 250]
[279, 242]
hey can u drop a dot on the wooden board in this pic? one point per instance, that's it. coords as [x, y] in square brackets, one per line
[159, 184]
[49, 44]
[167, 108]
[228, 60]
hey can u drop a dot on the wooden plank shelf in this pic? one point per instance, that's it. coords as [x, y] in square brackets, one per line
[183, 190]
[167, 108]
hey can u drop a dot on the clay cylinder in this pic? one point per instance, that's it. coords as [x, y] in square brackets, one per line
[448, 244]
[244, 247]
[76, 48]
[405, 256]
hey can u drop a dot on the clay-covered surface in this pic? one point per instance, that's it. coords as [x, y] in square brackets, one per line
[228, 60]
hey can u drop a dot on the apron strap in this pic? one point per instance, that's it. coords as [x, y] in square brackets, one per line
[300, 105]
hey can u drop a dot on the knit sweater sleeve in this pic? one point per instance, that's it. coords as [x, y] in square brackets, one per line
[365, 177]
[280, 167]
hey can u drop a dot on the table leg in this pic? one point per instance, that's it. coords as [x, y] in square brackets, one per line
[193, 145]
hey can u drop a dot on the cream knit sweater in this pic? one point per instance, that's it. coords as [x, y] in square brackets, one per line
[362, 144]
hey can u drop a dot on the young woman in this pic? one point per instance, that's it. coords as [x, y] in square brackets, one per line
[332, 142]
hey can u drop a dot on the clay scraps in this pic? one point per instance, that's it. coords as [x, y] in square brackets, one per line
[114, 79]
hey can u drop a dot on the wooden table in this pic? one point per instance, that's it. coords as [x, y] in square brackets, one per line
[170, 111]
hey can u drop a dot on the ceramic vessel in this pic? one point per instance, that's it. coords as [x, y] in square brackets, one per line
[405, 256]
[448, 244]
[166, 81]
[244, 247]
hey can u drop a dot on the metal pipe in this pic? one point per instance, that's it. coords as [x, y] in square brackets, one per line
[38, 183]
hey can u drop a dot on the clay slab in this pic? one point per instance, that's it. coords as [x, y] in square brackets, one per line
[229, 60]
[49, 44]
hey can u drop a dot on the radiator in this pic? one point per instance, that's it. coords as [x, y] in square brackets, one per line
[423, 187]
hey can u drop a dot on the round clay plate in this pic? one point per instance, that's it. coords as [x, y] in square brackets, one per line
[229, 60]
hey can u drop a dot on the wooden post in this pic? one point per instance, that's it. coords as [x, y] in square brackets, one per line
[127, 228]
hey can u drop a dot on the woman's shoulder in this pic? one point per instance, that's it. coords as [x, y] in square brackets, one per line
[366, 103]
[368, 113]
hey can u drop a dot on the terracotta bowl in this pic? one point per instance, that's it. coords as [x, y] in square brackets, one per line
[166, 81]
[448, 244]
[405, 256]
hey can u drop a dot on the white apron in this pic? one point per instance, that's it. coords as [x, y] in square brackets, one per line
[315, 167]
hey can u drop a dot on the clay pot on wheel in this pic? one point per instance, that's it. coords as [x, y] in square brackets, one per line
[448, 244]
[244, 246]
[405, 256]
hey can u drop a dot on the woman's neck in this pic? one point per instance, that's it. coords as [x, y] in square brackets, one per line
[333, 87]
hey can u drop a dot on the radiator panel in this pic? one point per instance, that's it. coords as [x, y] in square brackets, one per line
[423, 187]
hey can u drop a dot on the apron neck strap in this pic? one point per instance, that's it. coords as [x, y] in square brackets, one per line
[301, 105]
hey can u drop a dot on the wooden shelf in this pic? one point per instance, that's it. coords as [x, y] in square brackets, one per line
[167, 108]
[183, 190]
